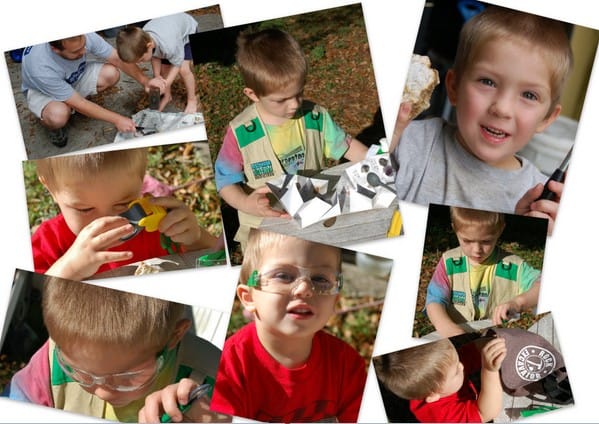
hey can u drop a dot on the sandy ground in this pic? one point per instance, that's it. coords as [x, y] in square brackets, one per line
[84, 132]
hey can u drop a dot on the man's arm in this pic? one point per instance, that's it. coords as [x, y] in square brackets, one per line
[95, 111]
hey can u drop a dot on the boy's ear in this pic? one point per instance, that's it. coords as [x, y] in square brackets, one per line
[244, 293]
[549, 120]
[251, 94]
[451, 85]
[433, 397]
[180, 329]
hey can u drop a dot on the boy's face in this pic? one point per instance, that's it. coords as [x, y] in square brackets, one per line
[300, 313]
[147, 56]
[106, 194]
[502, 99]
[104, 361]
[279, 106]
[477, 243]
[454, 379]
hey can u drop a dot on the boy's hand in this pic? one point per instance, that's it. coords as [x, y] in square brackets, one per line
[180, 223]
[529, 205]
[505, 311]
[256, 203]
[168, 399]
[158, 82]
[493, 354]
[90, 249]
[401, 122]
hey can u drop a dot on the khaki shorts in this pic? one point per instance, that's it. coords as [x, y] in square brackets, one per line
[86, 86]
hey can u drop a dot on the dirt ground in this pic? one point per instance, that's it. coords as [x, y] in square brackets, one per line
[126, 98]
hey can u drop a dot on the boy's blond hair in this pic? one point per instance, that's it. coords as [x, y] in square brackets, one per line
[492, 222]
[132, 43]
[270, 60]
[53, 171]
[259, 241]
[417, 372]
[548, 36]
[80, 314]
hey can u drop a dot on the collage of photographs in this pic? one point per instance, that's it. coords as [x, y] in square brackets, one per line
[333, 211]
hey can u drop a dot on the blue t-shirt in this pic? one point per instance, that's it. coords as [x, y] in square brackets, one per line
[49, 73]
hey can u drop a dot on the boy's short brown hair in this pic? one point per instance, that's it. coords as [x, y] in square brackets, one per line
[270, 60]
[52, 170]
[259, 241]
[493, 222]
[497, 23]
[80, 314]
[416, 372]
[132, 43]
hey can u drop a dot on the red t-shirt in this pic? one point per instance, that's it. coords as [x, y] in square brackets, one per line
[252, 384]
[459, 407]
[53, 238]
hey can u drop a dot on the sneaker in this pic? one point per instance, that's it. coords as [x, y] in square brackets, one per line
[59, 137]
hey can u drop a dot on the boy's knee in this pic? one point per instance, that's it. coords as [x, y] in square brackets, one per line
[185, 69]
[109, 76]
[56, 115]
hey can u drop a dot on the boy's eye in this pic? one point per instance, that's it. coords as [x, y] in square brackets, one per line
[84, 210]
[530, 95]
[486, 81]
[283, 277]
[322, 279]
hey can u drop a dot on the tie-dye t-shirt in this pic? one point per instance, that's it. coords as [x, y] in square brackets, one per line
[287, 141]
[481, 281]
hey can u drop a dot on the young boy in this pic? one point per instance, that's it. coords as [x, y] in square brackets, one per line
[165, 42]
[59, 75]
[435, 379]
[108, 349]
[92, 190]
[279, 133]
[479, 280]
[283, 367]
[506, 82]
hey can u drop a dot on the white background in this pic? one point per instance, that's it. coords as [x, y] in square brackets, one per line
[570, 285]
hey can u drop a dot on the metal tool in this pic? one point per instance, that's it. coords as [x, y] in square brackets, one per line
[154, 95]
[195, 394]
[375, 181]
[558, 175]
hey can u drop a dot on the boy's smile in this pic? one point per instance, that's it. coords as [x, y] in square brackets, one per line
[502, 99]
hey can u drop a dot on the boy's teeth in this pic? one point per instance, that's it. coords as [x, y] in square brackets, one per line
[496, 133]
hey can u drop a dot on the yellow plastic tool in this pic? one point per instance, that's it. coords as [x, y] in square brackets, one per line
[395, 226]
